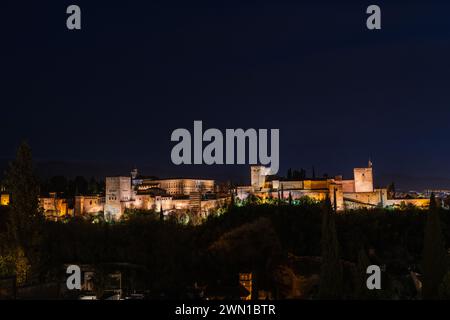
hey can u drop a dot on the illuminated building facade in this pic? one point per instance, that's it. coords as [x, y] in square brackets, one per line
[176, 187]
[91, 205]
[117, 196]
[4, 199]
[198, 198]
[54, 207]
[4, 196]
[168, 196]
[246, 280]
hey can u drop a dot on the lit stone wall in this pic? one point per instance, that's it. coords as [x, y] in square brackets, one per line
[143, 201]
[376, 198]
[181, 186]
[150, 202]
[398, 203]
[89, 205]
[316, 184]
[53, 207]
[287, 185]
[168, 204]
[317, 195]
[347, 185]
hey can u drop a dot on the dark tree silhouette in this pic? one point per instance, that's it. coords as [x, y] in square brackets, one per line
[361, 291]
[289, 174]
[25, 223]
[434, 254]
[331, 275]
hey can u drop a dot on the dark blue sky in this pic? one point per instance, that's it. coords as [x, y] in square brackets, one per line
[111, 94]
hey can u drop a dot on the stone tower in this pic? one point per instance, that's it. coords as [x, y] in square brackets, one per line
[363, 178]
[258, 176]
[117, 195]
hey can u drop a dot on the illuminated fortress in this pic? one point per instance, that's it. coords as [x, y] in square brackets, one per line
[195, 199]
[344, 194]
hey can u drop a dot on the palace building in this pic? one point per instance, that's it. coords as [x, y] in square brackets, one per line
[196, 197]
[188, 198]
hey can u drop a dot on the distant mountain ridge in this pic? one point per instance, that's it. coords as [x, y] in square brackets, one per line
[408, 183]
[71, 169]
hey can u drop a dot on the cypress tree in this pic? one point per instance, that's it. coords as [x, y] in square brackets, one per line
[334, 200]
[25, 222]
[434, 263]
[331, 274]
[232, 203]
[161, 212]
[361, 291]
[433, 205]
[289, 174]
[444, 288]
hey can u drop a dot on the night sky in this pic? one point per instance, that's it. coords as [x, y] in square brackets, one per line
[107, 97]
